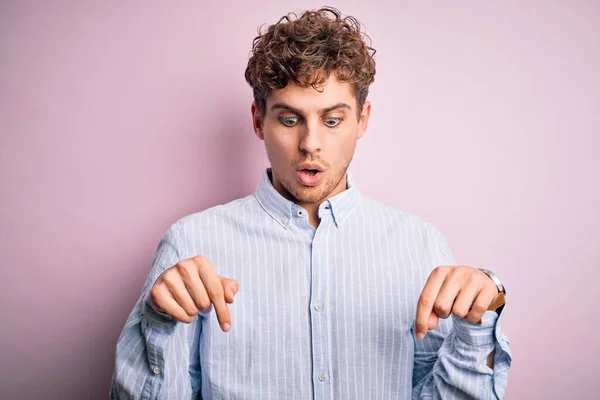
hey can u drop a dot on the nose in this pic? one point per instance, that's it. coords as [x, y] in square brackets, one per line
[311, 140]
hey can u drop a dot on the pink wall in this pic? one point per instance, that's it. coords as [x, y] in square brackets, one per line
[117, 119]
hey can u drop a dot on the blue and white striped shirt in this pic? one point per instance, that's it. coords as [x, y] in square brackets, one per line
[321, 313]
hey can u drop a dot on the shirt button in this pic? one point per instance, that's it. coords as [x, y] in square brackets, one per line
[156, 370]
[319, 307]
[322, 376]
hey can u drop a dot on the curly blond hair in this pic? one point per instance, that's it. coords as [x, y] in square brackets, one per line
[306, 49]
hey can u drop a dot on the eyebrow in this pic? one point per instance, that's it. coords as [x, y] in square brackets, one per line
[283, 106]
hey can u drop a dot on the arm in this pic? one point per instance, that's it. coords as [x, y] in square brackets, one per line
[155, 353]
[452, 360]
[455, 366]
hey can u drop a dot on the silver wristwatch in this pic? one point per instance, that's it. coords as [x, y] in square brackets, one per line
[496, 280]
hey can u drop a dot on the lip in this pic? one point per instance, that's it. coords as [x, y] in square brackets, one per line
[314, 166]
[307, 179]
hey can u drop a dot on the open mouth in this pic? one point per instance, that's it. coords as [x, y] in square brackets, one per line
[311, 172]
[309, 177]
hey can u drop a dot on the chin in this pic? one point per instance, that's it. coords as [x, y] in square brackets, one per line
[310, 194]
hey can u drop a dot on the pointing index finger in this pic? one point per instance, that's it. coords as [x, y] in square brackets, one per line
[216, 293]
[427, 300]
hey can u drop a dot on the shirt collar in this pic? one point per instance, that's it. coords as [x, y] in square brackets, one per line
[282, 210]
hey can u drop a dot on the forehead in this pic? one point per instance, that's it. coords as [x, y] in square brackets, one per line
[310, 100]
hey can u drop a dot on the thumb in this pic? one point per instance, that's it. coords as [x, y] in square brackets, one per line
[230, 288]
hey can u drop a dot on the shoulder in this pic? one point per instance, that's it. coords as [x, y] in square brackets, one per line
[417, 240]
[404, 223]
[214, 216]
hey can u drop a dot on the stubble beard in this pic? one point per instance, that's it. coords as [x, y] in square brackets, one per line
[313, 195]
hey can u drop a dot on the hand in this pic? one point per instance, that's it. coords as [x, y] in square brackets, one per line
[463, 291]
[193, 286]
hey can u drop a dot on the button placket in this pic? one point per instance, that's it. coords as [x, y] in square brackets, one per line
[318, 311]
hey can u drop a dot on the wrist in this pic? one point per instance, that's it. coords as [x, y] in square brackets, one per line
[495, 279]
[498, 304]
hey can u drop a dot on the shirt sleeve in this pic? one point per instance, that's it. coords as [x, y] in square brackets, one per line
[451, 362]
[156, 356]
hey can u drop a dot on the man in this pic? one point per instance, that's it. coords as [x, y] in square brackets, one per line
[336, 295]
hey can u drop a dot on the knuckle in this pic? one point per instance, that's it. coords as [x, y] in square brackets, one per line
[441, 307]
[480, 281]
[473, 281]
[460, 312]
[185, 270]
[204, 304]
[233, 283]
[478, 308]
[215, 292]
[191, 311]
[155, 290]
[473, 318]
[424, 301]
[156, 296]
[200, 259]
[207, 309]
[182, 268]
[169, 276]
[179, 315]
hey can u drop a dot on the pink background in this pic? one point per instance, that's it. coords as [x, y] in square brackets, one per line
[116, 119]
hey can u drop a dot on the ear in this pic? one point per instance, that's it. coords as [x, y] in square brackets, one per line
[363, 121]
[257, 122]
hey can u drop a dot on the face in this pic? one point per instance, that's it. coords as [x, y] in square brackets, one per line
[310, 137]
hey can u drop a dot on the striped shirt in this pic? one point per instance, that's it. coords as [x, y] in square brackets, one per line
[321, 313]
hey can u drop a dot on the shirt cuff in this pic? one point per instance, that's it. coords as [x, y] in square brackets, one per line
[156, 320]
[476, 334]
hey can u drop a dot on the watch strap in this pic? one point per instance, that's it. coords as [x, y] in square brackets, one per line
[498, 304]
[495, 279]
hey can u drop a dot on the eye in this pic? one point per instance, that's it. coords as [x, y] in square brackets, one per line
[332, 122]
[289, 121]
